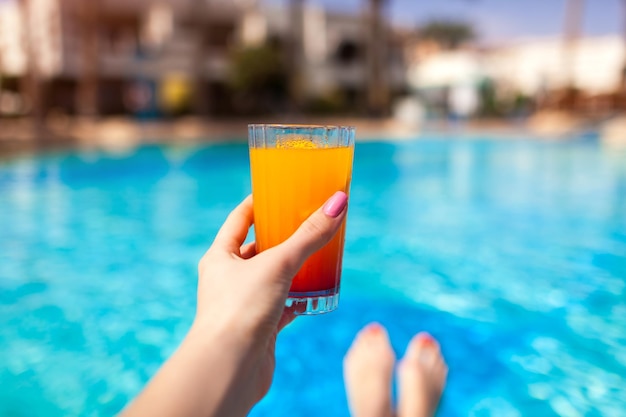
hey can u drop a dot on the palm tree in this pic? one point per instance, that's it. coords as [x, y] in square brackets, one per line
[571, 33]
[198, 17]
[377, 88]
[449, 34]
[295, 48]
[622, 91]
[87, 98]
[31, 81]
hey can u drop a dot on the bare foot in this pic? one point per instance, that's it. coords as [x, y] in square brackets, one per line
[368, 370]
[421, 377]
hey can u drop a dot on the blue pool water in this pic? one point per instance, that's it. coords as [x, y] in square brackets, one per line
[512, 253]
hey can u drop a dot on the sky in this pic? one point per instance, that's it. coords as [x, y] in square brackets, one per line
[497, 20]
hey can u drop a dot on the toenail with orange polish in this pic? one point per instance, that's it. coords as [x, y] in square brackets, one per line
[374, 328]
[426, 339]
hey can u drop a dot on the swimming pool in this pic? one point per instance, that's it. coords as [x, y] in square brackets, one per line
[512, 253]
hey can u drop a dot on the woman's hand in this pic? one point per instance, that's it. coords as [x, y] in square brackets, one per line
[226, 362]
[246, 292]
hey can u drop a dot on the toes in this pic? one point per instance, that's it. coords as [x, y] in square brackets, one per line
[371, 345]
[373, 331]
[423, 349]
[421, 377]
[371, 335]
[423, 357]
[368, 372]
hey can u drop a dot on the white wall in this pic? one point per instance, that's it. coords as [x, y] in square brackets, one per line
[594, 64]
[12, 56]
[43, 19]
[530, 66]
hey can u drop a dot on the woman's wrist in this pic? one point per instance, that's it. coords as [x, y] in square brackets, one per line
[210, 330]
[207, 375]
[227, 362]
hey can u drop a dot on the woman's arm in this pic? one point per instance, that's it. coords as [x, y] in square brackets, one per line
[225, 364]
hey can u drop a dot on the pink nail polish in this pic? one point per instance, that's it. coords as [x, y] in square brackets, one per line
[335, 205]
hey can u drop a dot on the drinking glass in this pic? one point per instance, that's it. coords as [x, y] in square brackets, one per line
[294, 170]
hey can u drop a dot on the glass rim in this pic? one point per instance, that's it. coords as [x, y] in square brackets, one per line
[299, 126]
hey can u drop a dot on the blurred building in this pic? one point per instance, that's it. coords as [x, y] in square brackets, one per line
[532, 67]
[334, 50]
[116, 43]
[593, 65]
[27, 54]
[43, 38]
[112, 56]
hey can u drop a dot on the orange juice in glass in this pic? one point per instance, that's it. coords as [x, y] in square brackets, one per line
[295, 169]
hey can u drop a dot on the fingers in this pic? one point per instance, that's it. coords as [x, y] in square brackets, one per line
[312, 235]
[248, 250]
[287, 317]
[235, 229]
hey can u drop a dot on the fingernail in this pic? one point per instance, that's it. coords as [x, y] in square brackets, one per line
[335, 205]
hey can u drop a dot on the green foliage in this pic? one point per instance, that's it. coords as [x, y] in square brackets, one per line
[258, 70]
[448, 33]
[489, 102]
[503, 103]
[331, 102]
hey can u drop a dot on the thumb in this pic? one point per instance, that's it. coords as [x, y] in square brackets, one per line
[311, 236]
